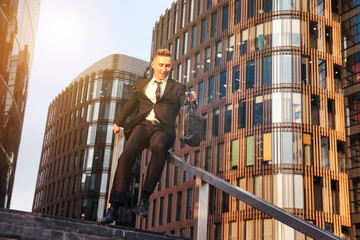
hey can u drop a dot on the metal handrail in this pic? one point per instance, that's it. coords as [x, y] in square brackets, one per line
[279, 214]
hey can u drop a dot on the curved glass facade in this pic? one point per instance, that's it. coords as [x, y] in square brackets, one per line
[18, 27]
[267, 78]
[77, 151]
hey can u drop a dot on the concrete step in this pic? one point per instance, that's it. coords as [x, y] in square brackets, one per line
[24, 225]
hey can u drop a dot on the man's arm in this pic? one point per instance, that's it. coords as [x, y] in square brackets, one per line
[129, 107]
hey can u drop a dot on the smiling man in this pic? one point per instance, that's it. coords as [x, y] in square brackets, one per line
[158, 101]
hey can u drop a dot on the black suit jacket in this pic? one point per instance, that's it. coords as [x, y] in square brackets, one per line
[166, 109]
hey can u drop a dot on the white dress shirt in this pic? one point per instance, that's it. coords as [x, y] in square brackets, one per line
[150, 90]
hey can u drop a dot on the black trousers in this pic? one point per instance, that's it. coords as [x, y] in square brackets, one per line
[144, 135]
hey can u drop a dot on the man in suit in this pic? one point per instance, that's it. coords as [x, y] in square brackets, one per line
[158, 101]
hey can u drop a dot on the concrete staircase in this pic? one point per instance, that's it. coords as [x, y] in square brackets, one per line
[24, 225]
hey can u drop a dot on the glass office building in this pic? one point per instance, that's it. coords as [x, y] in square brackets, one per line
[18, 27]
[350, 20]
[77, 151]
[267, 77]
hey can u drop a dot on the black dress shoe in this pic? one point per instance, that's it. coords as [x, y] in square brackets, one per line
[142, 208]
[111, 215]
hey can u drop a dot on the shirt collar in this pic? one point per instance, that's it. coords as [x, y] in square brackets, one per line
[163, 81]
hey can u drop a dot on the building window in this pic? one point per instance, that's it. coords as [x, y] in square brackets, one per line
[259, 37]
[305, 70]
[177, 46]
[320, 7]
[187, 70]
[250, 151]
[267, 6]
[234, 153]
[267, 147]
[179, 73]
[313, 32]
[193, 42]
[242, 114]
[250, 74]
[237, 14]
[258, 110]
[196, 158]
[178, 206]
[222, 84]
[169, 208]
[215, 123]
[207, 164]
[185, 43]
[189, 203]
[267, 70]
[200, 94]
[236, 78]
[318, 198]
[228, 112]
[176, 175]
[209, 4]
[211, 89]
[203, 31]
[225, 18]
[161, 210]
[286, 107]
[322, 73]
[207, 59]
[175, 18]
[230, 48]
[218, 48]
[286, 32]
[191, 10]
[243, 41]
[169, 25]
[183, 14]
[153, 215]
[220, 157]
[251, 9]
[325, 152]
[217, 234]
[197, 64]
[213, 24]
[200, 7]
[203, 126]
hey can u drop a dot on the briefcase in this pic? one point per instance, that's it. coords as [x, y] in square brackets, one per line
[190, 123]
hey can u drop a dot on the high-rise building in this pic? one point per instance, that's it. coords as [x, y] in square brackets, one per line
[350, 20]
[18, 27]
[267, 77]
[77, 151]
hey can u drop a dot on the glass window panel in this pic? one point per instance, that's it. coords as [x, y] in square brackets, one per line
[225, 18]
[250, 151]
[230, 48]
[286, 68]
[242, 114]
[96, 111]
[296, 107]
[258, 110]
[207, 59]
[185, 43]
[222, 84]
[267, 70]
[322, 73]
[234, 153]
[211, 90]
[197, 64]
[213, 23]
[258, 186]
[244, 39]
[193, 42]
[187, 70]
[215, 127]
[218, 51]
[250, 74]
[200, 94]
[276, 110]
[228, 113]
[287, 147]
[236, 79]
[259, 38]
[267, 147]
[237, 11]
[203, 31]
[325, 152]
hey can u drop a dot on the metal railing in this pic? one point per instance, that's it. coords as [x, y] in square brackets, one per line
[201, 195]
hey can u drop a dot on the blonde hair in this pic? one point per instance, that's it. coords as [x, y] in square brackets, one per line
[162, 52]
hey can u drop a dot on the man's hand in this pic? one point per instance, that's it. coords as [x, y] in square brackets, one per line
[193, 93]
[117, 129]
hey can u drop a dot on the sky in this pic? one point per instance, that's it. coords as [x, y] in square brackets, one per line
[73, 35]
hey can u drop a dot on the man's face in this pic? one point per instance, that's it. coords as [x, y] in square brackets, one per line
[162, 66]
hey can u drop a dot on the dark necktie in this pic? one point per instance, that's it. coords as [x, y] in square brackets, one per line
[157, 92]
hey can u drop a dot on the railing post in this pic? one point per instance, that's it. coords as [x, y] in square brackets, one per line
[117, 150]
[201, 203]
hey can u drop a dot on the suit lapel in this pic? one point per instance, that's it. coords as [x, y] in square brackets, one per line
[170, 83]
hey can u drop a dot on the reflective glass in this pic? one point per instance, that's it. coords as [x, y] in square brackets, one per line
[236, 79]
